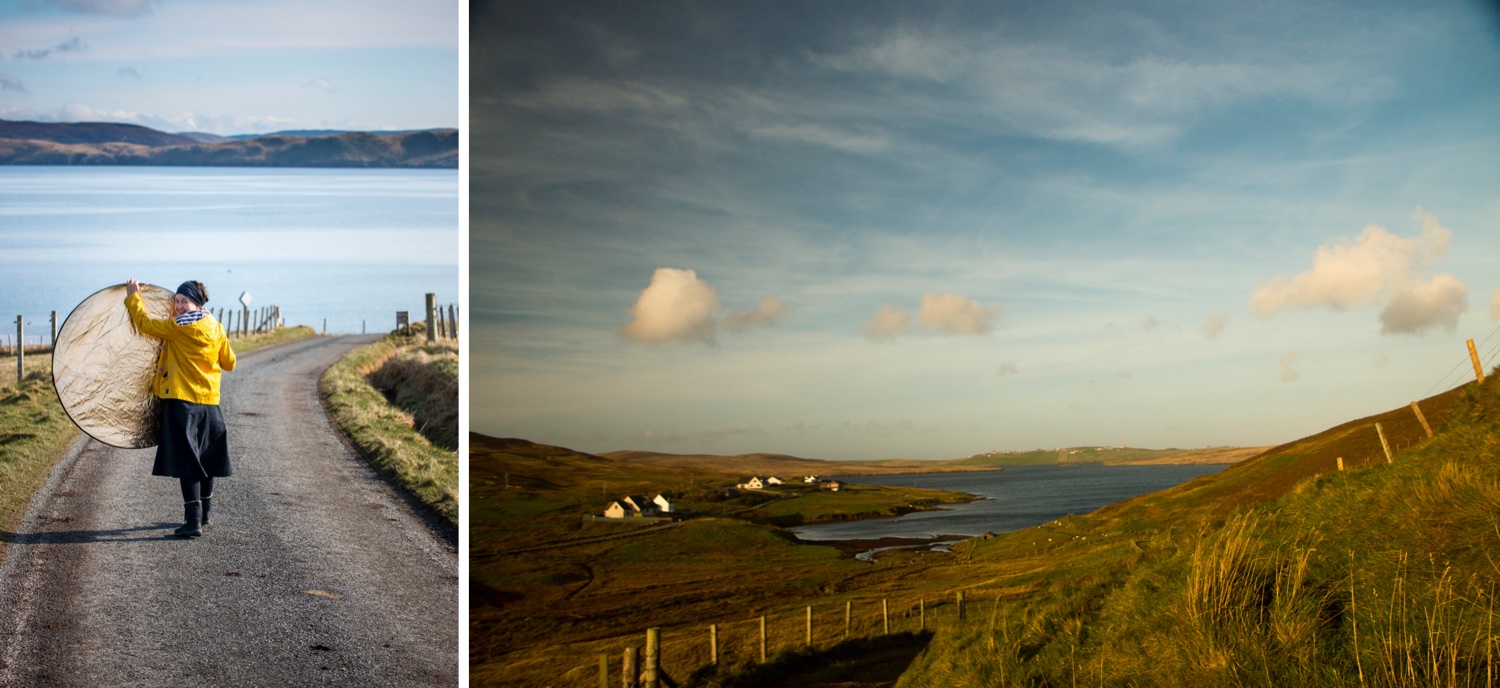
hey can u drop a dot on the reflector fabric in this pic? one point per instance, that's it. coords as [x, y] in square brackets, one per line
[102, 368]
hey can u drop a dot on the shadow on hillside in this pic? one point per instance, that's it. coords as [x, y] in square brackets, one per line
[864, 663]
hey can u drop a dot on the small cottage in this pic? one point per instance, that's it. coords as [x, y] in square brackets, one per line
[664, 504]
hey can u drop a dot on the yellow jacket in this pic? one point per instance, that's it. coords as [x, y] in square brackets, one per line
[192, 359]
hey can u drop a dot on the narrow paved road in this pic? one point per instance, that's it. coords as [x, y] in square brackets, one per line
[313, 572]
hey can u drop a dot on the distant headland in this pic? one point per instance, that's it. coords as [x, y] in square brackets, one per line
[108, 143]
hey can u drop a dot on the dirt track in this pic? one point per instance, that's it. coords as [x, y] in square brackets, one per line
[313, 572]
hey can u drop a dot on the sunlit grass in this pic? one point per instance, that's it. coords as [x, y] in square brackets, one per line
[397, 433]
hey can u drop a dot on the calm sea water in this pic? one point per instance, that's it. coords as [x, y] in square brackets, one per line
[1015, 498]
[347, 248]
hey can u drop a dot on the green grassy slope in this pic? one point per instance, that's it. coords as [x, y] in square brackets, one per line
[1279, 571]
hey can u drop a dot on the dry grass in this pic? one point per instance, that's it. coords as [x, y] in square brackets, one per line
[418, 375]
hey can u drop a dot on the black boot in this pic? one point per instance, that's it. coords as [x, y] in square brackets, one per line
[206, 504]
[192, 515]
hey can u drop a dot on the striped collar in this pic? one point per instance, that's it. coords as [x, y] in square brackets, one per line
[191, 317]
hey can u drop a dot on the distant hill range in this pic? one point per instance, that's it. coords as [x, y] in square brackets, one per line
[108, 143]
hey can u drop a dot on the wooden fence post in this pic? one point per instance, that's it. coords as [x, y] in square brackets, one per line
[632, 666]
[653, 658]
[1341, 463]
[885, 615]
[922, 607]
[1474, 356]
[848, 606]
[713, 644]
[245, 322]
[20, 349]
[1383, 444]
[54, 331]
[453, 321]
[1418, 410]
[603, 670]
[960, 605]
[809, 625]
[431, 304]
[762, 639]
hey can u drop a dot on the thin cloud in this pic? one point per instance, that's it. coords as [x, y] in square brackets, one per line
[1215, 325]
[1008, 369]
[675, 306]
[955, 314]
[110, 8]
[128, 72]
[1150, 323]
[72, 45]
[1289, 372]
[10, 83]
[770, 311]
[1375, 267]
[323, 85]
[887, 322]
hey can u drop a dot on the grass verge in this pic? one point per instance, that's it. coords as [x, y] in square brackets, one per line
[396, 400]
[35, 432]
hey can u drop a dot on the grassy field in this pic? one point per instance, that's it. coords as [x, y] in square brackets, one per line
[1281, 570]
[397, 401]
[35, 431]
[545, 576]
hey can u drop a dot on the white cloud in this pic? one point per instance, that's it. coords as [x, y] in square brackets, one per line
[10, 83]
[1376, 266]
[1420, 305]
[770, 311]
[950, 314]
[955, 314]
[1289, 371]
[1215, 325]
[887, 322]
[675, 306]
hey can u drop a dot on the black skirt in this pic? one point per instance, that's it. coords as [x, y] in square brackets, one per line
[193, 441]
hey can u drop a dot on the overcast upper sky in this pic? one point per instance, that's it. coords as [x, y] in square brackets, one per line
[232, 66]
[864, 229]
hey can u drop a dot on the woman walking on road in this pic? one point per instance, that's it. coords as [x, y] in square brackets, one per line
[194, 446]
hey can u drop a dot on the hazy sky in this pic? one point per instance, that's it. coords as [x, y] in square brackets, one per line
[872, 229]
[232, 66]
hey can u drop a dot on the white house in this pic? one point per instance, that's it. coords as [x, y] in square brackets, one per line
[634, 506]
[754, 483]
[832, 485]
[812, 479]
[773, 480]
[664, 504]
[642, 506]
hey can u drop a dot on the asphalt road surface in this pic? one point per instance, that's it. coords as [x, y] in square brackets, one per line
[312, 572]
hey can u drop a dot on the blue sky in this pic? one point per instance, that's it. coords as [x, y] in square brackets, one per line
[232, 66]
[861, 230]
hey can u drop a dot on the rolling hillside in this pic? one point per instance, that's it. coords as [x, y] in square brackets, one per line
[36, 143]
